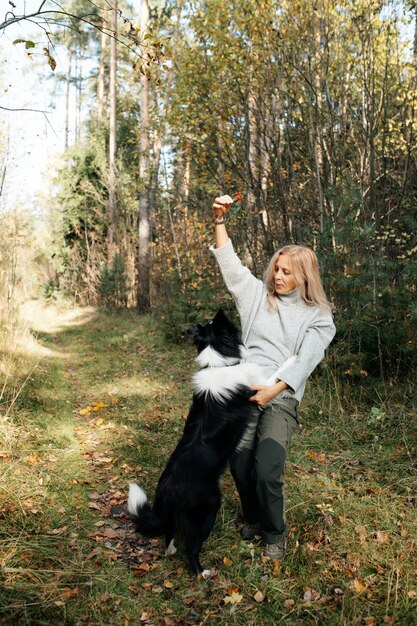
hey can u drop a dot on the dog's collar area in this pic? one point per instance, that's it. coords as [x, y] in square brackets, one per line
[209, 357]
[228, 364]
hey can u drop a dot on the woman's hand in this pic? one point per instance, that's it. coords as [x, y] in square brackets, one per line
[220, 206]
[264, 394]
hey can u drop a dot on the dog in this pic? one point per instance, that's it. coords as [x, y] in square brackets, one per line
[188, 497]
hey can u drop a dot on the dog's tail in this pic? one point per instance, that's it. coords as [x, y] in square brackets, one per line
[142, 514]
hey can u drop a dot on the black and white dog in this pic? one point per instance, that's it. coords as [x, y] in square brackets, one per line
[187, 497]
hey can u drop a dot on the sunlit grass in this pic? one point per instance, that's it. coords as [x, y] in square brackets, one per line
[350, 499]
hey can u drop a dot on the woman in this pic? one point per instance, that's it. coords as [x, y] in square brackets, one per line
[286, 327]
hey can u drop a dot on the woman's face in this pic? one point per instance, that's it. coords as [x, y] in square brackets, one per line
[284, 278]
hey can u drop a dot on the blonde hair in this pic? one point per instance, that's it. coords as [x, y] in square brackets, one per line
[305, 268]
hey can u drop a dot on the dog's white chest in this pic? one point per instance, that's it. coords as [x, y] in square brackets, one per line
[222, 382]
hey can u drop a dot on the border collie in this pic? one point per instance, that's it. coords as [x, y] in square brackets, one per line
[187, 497]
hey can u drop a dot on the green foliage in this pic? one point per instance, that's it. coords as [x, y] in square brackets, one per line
[310, 114]
[113, 286]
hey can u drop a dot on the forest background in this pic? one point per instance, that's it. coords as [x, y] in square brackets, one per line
[307, 111]
[304, 112]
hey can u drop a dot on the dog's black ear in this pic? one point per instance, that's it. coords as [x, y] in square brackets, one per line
[220, 315]
[193, 332]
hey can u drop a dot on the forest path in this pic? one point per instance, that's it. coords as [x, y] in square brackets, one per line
[105, 406]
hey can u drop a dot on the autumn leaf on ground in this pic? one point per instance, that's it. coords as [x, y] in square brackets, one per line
[233, 598]
[259, 596]
[320, 457]
[381, 536]
[358, 585]
[311, 595]
[228, 562]
[98, 406]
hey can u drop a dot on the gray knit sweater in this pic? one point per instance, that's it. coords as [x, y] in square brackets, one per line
[291, 339]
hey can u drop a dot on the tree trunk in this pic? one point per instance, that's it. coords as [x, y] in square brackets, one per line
[143, 261]
[112, 210]
[101, 74]
[79, 79]
[67, 97]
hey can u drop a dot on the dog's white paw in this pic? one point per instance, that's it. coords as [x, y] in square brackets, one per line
[206, 574]
[171, 549]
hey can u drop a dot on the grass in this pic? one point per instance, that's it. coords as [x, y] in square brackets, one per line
[68, 554]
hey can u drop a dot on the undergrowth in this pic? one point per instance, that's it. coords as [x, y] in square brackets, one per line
[103, 404]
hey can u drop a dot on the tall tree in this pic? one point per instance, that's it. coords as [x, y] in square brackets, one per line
[112, 207]
[143, 259]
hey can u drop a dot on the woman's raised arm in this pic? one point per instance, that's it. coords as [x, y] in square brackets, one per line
[220, 207]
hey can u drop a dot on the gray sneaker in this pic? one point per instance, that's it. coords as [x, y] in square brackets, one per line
[275, 550]
[248, 531]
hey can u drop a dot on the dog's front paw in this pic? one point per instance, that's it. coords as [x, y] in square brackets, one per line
[206, 574]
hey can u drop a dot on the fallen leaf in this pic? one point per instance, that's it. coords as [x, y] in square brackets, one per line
[311, 595]
[369, 620]
[358, 585]
[57, 531]
[168, 584]
[259, 596]
[288, 604]
[320, 457]
[98, 406]
[228, 562]
[147, 586]
[361, 532]
[145, 567]
[68, 593]
[412, 594]
[233, 598]
[86, 411]
[382, 536]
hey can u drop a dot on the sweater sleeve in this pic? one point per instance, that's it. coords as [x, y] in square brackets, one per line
[317, 338]
[239, 280]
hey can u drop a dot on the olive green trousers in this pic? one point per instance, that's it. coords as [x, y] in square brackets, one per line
[258, 466]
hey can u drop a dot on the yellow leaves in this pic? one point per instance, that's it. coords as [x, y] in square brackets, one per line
[227, 562]
[93, 407]
[233, 598]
